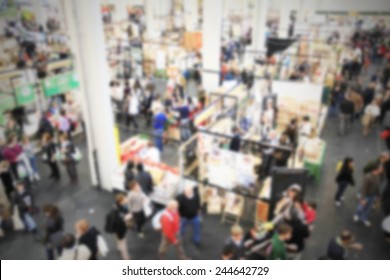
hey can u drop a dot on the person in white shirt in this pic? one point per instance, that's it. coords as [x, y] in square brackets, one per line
[371, 113]
[151, 153]
[73, 251]
[133, 105]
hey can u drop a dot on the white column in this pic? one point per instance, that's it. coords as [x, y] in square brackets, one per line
[211, 49]
[191, 14]
[120, 10]
[259, 24]
[85, 28]
[284, 18]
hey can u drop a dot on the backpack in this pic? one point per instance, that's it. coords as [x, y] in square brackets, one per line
[109, 226]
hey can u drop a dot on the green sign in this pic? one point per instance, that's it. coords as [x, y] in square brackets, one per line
[7, 102]
[25, 94]
[8, 8]
[60, 84]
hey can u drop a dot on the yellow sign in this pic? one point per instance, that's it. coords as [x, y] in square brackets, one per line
[117, 144]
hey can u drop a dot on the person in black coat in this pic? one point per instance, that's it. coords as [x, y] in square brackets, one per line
[235, 143]
[119, 212]
[300, 232]
[54, 227]
[144, 179]
[344, 178]
[25, 202]
[88, 236]
[129, 173]
[49, 150]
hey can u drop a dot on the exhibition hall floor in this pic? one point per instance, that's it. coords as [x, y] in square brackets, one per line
[83, 201]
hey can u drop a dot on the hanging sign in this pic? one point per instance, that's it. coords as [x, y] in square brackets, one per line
[60, 84]
[7, 102]
[25, 94]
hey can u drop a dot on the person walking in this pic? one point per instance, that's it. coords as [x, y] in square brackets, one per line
[68, 151]
[54, 230]
[189, 210]
[170, 226]
[344, 178]
[88, 236]
[136, 201]
[370, 193]
[144, 179]
[116, 224]
[49, 149]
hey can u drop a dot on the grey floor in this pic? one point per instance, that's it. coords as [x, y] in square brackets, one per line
[83, 201]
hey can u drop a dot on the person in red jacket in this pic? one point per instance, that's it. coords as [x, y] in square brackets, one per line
[170, 227]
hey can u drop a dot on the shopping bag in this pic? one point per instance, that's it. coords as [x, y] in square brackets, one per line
[22, 171]
[102, 246]
[77, 156]
[147, 206]
[17, 222]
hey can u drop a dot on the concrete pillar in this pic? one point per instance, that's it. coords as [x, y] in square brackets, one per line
[85, 28]
[211, 49]
[259, 24]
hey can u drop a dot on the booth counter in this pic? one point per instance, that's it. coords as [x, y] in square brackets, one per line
[166, 178]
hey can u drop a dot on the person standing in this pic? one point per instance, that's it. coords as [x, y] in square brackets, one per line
[347, 111]
[54, 230]
[68, 150]
[136, 201]
[236, 242]
[73, 251]
[344, 178]
[132, 110]
[235, 143]
[370, 193]
[116, 224]
[371, 112]
[189, 210]
[49, 149]
[24, 200]
[160, 120]
[11, 153]
[338, 246]
[144, 179]
[170, 226]
[64, 124]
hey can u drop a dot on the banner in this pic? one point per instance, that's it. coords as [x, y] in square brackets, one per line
[7, 102]
[60, 84]
[8, 8]
[25, 94]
